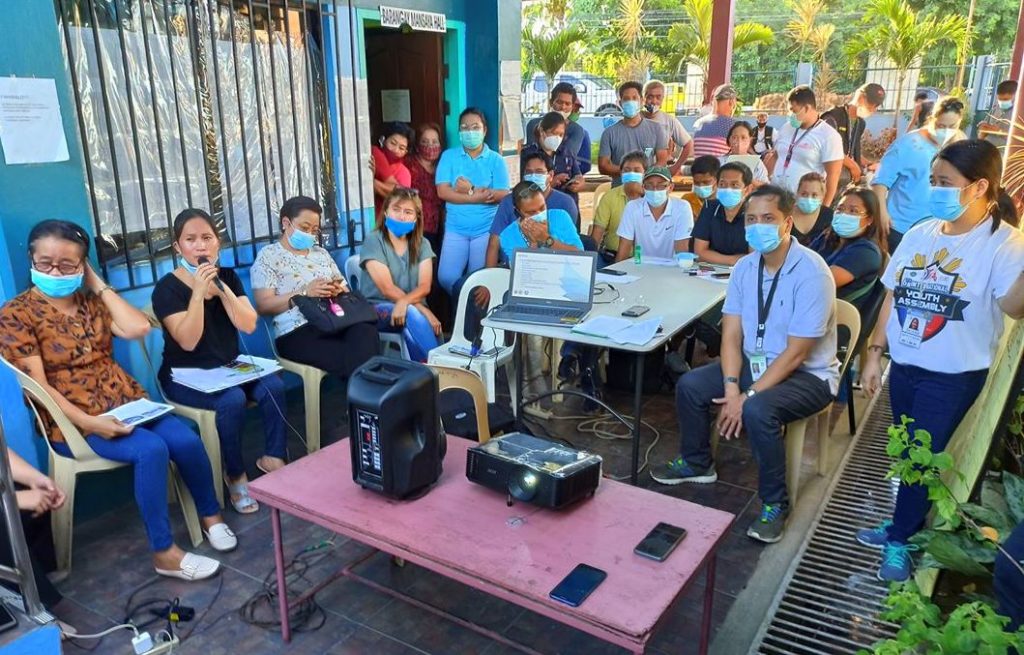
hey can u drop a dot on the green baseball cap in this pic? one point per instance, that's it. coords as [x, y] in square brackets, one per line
[658, 171]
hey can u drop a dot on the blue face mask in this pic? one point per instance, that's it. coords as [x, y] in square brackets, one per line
[794, 121]
[188, 267]
[656, 198]
[944, 203]
[57, 286]
[540, 179]
[399, 228]
[703, 192]
[762, 237]
[808, 205]
[1005, 104]
[541, 217]
[630, 108]
[846, 225]
[730, 197]
[301, 240]
[632, 177]
[471, 138]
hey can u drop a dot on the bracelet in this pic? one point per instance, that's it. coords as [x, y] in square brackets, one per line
[106, 288]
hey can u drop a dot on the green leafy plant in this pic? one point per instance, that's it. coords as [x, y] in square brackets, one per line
[971, 628]
[966, 536]
[549, 52]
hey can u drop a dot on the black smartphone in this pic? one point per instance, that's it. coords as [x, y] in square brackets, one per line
[611, 271]
[660, 542]
[636, 310]
[580, 583]
[7, 620]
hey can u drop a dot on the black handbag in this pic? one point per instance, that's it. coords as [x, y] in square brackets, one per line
[334, 315]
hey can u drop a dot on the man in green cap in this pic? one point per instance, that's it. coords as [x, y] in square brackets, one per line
[657, 223]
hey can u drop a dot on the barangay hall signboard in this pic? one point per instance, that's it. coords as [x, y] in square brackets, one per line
[420, 21]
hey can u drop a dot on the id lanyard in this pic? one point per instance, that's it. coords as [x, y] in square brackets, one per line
[796, 141]
[763, 308]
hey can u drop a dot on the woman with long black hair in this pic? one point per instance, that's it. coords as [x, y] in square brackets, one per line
[951, 281]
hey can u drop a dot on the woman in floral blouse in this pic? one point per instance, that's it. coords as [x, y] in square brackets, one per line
[60, 332]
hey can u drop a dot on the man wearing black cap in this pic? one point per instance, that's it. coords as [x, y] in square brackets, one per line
[848, 120]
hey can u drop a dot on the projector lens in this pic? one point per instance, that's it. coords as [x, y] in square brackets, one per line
[522, 484]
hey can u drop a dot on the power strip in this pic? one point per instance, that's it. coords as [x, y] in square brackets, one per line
[163, 647]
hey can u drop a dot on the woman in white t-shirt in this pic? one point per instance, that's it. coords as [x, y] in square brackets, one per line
[950, 281]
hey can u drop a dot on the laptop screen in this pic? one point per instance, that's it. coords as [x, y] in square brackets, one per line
[546, 275]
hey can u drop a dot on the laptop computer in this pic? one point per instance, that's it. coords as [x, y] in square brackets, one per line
[549, 287]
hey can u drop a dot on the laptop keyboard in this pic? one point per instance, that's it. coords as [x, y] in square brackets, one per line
[534, 310]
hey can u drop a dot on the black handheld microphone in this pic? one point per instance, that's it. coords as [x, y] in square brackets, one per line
[216, 280]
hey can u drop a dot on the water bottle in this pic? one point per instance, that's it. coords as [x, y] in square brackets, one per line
[638, 255]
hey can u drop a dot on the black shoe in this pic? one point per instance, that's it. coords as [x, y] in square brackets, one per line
[568, 367]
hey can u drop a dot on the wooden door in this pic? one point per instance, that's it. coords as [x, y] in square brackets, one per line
[410, 61]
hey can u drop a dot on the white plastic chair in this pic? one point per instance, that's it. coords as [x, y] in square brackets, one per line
[390, 341]
[65, 470]
[485, 366]
[311, 377]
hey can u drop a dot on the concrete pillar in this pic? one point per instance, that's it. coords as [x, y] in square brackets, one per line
[720, 61]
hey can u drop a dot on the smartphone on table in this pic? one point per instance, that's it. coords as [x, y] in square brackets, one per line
[580, 583]
[660, 542]
[636, 310]
[611, 271]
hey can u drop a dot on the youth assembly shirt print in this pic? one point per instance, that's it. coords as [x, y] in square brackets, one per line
[946, 316]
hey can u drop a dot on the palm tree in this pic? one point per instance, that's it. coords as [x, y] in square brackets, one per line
[805, 31]
[901, 35]
[548, 53]
[692, 39]
[801, 27]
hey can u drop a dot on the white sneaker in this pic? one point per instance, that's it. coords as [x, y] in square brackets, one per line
[221, 537]
[193, 567]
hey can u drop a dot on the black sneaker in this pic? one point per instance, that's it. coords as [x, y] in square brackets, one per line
[679, 471]
[770, 525]
[568, 367]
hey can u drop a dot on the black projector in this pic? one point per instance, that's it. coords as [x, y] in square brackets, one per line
[534, 470]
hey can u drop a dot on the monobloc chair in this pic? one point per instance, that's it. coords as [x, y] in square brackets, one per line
[311, 377]
[459, 378]
[484, 365]
[65, 470]
[847, 317]
[391, 341]
[869, 311]
[599, 192]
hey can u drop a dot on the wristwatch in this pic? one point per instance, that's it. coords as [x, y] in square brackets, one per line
[549, 242]
[731, 380]
[751, 392]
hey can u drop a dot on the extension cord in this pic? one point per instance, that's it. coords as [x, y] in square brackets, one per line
[161, 647]
[534, 409]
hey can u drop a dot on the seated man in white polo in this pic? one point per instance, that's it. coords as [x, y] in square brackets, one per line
[657, 223]
[778, 359]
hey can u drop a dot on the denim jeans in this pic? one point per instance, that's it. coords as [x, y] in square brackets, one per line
[419, 336]
[937, 402]
[148, 449]
[1008, 583]
[800, 395]
[460, 254]
[267, 393]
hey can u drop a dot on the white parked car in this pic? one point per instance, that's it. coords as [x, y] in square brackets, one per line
[597, 94]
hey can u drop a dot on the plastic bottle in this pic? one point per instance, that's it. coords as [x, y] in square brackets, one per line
[638, 255]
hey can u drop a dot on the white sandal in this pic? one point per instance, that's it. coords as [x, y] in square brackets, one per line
[245, 503]
[221, 537]
[193, 567]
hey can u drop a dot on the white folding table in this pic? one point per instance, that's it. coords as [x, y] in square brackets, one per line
[672, 293]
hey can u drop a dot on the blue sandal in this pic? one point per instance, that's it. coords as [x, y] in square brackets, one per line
[245, 503]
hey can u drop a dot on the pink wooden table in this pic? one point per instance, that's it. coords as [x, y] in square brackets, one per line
[468, 533]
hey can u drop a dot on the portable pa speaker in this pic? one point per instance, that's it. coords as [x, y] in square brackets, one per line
[396, 438]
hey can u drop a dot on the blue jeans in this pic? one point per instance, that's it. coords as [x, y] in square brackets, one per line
[419, 336]
[148, 449]
[267, 393]
[460, 254]
[937, 402]
[800, 395]
[1008, 583]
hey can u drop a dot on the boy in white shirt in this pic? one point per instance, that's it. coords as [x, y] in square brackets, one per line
[658, 223]
[805, 144]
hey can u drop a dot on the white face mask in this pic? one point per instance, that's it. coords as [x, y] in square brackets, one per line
[944, 134]
[551, 142]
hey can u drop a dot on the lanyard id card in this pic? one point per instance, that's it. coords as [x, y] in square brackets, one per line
[912, 332]
[758, 365]
[759, 360]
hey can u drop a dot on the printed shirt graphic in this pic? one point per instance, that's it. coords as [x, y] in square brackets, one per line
[945, 316]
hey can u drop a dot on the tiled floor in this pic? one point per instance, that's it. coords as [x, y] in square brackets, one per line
[111, 564]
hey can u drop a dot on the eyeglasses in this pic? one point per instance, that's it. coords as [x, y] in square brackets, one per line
[64, 268]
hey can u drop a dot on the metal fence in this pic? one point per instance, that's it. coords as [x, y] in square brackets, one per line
[230, 105]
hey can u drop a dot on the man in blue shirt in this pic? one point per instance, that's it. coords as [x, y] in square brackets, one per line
[778, 360]
[537, 168]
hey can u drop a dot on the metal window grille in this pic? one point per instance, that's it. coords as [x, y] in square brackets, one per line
[227, 105]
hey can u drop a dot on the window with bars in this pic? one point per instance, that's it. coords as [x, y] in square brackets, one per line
[218, 104]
